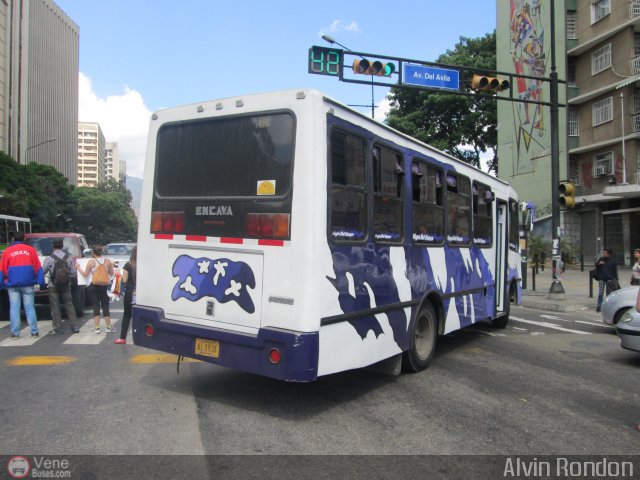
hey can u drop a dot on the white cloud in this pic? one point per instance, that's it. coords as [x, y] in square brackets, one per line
[382, 109]
[341, 26]
[123, 118]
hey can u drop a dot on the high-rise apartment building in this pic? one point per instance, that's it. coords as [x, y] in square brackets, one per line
[598, 54]
[39, 65]
[115, 167]
[91, 155]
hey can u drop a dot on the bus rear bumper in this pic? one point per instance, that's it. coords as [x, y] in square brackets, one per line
[248, 353]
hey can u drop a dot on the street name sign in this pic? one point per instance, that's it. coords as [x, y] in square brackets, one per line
[431, 77]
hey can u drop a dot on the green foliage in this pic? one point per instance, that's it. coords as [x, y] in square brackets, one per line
[537, 246]
[43, 194]
[570, 254]
[460, 125]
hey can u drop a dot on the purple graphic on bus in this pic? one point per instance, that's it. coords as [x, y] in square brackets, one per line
[222, 279]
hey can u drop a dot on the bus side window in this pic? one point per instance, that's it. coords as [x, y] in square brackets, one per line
[388, 195]
[459, 208]
[482, 215]
[348, 211]
[428, 211]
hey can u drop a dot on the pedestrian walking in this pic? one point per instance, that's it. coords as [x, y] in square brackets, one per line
[129, 282]
[60, 266]
[99, 271]
[20, 270]
[635, 270]
[606, 272]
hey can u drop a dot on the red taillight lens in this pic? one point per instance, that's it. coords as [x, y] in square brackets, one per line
[149, 330]
[267, 225]
[252, 222]
[275, 356]
[167, 222]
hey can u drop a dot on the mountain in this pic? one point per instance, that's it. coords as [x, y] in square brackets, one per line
[134, 185]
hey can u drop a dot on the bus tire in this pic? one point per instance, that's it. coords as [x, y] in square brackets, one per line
[423, 340]
[501, 322]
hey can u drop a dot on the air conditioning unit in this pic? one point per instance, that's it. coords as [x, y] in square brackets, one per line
[601, 169]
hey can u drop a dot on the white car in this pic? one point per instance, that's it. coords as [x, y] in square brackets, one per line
[617, 303]
[628, 330]
[118, 253]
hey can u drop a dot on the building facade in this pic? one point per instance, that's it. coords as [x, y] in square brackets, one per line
[598, 54]
[39, 65]
[91, 155]
[115, 167]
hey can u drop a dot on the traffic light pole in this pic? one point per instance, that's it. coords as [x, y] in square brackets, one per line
[556, 290]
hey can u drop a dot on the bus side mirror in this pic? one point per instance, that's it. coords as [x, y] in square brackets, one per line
[526, 219]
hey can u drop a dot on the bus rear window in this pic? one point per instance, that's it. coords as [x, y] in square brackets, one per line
[243, 156]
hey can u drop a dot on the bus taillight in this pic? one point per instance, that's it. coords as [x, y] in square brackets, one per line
[149, 330]
[167, 222]
[275, 356]
[267, 225]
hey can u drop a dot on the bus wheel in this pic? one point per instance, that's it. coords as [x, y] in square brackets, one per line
[423, 341]
[501, 322]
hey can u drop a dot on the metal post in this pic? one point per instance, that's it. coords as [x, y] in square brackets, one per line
[624, 158]
[556, 290]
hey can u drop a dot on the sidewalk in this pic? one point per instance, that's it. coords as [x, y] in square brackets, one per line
[576, 288]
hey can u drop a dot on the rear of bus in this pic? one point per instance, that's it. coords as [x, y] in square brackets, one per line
[218, 274]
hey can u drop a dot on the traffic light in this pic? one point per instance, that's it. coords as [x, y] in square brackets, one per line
[377, 68]
[492, 84]
[567, 194]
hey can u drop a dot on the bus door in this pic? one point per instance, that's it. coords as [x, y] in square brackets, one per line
[501, 256]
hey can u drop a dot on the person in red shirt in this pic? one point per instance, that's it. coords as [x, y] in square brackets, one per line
[20, 270]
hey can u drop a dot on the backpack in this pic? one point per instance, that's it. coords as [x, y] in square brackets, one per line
[61, 275]
[101, 275]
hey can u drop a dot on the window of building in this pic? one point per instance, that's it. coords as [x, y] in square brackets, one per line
[428, 210]
[482, 215]
[602, 111]
[600, 9]
[458, 209]
[570, 20]
[571, 71]
[573, 127]
[601, 59]
[348, 188]
[603, 164]
[388, 194]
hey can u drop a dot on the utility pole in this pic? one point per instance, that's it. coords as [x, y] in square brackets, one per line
[556, 290]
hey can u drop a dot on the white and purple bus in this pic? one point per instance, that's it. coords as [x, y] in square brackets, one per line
[287, 235]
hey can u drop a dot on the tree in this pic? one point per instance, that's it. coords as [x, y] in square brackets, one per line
[460, 125]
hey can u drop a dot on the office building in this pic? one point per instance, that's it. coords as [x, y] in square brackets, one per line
[91, 155]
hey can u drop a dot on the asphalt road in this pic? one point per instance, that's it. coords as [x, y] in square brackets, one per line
[548, 384]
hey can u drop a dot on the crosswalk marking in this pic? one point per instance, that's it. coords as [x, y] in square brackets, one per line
[25, 336]
[42, 360]
[87, 335]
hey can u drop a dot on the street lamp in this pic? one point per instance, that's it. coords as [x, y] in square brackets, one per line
[332, 40]
[37, 145]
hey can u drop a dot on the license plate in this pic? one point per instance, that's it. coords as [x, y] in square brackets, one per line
[207, 348]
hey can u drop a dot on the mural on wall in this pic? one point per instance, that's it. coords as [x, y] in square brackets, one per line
[527, 50]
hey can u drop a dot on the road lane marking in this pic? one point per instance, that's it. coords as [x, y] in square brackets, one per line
[158, 358]
[41, 360]
[547, 325]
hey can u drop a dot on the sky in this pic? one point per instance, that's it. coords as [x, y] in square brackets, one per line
[140, 56]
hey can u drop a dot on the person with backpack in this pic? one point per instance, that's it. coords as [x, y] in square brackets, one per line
[99, 271]
[61, 269]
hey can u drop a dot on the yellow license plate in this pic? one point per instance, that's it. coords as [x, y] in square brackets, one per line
[207, 348]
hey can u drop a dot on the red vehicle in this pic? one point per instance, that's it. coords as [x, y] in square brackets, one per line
[75, 245]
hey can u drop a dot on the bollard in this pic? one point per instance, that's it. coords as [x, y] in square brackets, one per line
[523, 269]
[533, 278]
[543, 259]
[582, 263]
[590, 286]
